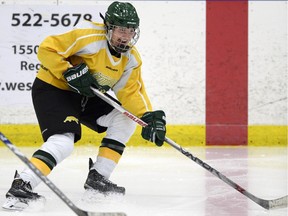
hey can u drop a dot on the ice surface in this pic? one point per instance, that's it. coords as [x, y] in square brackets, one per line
[163, 182]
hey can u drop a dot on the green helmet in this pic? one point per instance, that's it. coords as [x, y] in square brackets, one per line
[122, 14]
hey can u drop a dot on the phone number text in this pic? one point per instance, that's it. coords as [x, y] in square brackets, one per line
[37, 20]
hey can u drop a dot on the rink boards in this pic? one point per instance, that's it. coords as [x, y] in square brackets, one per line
[184, 135]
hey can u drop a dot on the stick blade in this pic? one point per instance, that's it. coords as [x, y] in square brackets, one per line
[278, 203]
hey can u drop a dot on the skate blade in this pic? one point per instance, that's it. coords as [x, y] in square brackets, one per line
[104, 193]
[16, 204]
[92, 195]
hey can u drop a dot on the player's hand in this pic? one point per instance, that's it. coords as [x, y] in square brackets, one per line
[79, 79]
[155, 131]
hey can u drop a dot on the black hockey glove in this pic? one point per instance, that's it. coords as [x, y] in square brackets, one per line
[155, 131]
[79, 79]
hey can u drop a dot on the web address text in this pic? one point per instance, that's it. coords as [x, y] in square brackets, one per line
[15, 86]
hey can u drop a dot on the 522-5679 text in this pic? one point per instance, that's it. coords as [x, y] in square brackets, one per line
[56, 19]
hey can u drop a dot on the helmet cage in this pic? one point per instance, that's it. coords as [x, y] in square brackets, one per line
[118, 46]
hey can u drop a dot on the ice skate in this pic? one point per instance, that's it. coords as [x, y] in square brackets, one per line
[20, 195]
[95, 181]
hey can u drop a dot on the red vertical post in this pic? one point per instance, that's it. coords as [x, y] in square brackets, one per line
[226, 72]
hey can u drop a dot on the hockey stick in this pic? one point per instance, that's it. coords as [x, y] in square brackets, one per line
[267, 204]
[53, 187]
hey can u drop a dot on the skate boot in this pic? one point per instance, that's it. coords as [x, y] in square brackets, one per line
[96, 181]
[20, 195]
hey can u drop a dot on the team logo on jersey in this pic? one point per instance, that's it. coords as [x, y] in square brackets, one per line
[71, 119]
[103, 79]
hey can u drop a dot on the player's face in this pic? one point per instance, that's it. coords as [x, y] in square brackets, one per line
[121, 36]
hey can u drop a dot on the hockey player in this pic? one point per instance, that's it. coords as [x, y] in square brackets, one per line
[92, 54]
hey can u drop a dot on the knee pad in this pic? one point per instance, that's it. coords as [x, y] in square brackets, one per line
[119, 126]
[60, 146]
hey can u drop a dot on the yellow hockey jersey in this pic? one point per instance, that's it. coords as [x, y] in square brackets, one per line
[87, 43]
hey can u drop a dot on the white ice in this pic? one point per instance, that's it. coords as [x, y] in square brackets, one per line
[164, 182]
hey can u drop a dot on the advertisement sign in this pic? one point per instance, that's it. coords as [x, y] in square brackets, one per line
[23, 28]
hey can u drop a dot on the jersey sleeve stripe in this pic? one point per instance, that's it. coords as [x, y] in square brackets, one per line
[80, 38]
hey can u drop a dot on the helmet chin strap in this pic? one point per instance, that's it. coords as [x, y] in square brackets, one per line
[113, 51]
[102, 17]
